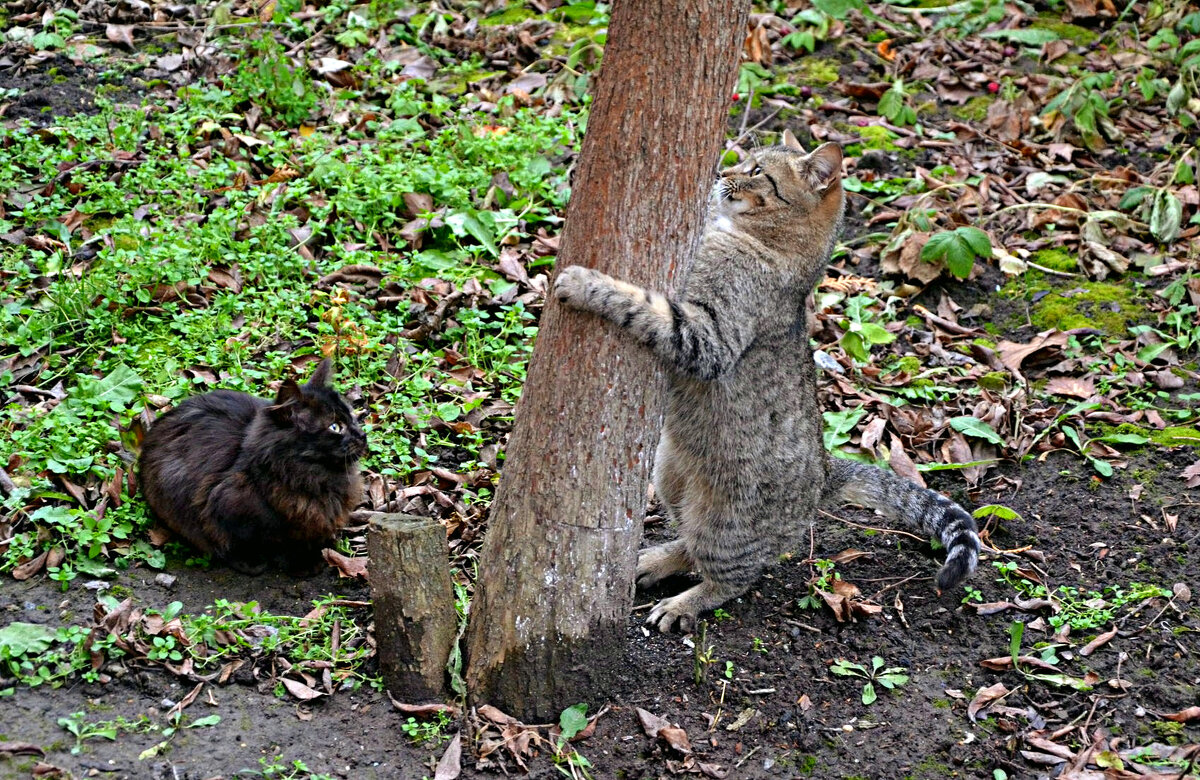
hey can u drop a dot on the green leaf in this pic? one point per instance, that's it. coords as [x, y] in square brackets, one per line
[1166, 216]
[1148, 353]
[1073, 435]
[876, 334]
[977, 428]
[1176, 97]
[1184, 173]
[208, 720]
[1016, 630]
[978, 240]
[996, 510]
[868, 694]
[852, 342]
[1030, 36]
[19, 639]
[477, 224]
[891, 104]
[1102, 467]
[573, 720]
[893, 680]
[1134, 197]
[1123, 438]
[115, 392]
[839, 9]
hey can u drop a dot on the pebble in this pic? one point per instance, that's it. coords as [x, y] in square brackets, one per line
[166, 704]
[97, 585]
[165, 580]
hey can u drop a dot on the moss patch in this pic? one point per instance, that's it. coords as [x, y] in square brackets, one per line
[1080, 36]
[514, 15]
[1109, 308]
[815, 70]
[1056, 259]
[1171, 436]
[975, 109]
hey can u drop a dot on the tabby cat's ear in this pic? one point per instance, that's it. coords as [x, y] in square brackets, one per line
[321, 377]
[825, 166]
[790, 141]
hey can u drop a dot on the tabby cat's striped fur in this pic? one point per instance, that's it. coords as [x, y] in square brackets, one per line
[741, 466]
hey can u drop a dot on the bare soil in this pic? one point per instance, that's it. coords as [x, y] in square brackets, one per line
[798, 719]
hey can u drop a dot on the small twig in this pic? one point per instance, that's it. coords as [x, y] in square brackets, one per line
[746, 757]
[944, 323]
[746, 132]
[1051, 271]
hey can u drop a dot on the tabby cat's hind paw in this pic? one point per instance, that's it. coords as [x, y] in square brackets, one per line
[659, 562]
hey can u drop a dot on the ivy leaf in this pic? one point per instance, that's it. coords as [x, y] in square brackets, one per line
[477, 224]
[958, 248]
[573, 720]
[977, 428]
[19, 639]
[114, 392]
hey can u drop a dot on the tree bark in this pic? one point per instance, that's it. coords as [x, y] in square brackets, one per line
[555, 583]
[415, 622]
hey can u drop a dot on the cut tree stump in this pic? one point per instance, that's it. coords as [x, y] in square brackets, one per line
[415, 621]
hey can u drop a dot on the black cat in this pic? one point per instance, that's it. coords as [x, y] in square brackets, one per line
[252, 481]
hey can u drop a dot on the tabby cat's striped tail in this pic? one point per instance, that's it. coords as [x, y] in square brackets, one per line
[918, 508]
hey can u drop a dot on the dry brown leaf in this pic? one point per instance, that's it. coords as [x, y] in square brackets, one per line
[902, 464]
[1013, 354]
[651, 723]
[34, 565]
[450, 765]
[1192, 474]
[1185, 715]
[1097, 643]
[300, 690]
[120, 33]
[347, 567]
[677, 738]
[1083, 387]
[984, 697]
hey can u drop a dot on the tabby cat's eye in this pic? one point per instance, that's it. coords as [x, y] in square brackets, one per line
[757, 170]
[336, 427]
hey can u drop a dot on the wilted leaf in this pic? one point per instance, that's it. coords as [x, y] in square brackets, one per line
[120, 33]
[676, 738]
[346, 566]
[985, 697]
[450, 765]
[651, 723]
[299, 689]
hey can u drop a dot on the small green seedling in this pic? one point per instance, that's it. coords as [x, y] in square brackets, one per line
[892, 677]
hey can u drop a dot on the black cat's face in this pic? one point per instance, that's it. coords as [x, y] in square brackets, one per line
[321, 421]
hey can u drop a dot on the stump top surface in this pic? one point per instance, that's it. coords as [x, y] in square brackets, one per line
[402, 523]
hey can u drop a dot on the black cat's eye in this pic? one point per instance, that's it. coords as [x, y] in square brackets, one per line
[336, 427]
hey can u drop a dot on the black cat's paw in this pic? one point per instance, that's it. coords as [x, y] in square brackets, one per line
[247, 567]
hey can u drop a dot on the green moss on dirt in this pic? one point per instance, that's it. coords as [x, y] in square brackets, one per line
[1171, 436]
[1110, 308]
[1056, 259]
[514, 15]
[1080, 36]
[975, 109]
[815, 70]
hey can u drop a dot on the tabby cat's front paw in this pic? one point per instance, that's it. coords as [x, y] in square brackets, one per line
[574, 284]
[676, 609]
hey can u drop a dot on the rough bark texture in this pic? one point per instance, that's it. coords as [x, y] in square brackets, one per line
[414, 604]
[555, 579]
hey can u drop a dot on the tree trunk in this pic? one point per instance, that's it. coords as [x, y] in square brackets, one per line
[555, 588]
[415, 622]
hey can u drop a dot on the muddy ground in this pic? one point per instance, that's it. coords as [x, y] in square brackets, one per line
[797, 719]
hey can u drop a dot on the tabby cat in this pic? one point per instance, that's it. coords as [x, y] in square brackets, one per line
[254, 481]
[741, 466]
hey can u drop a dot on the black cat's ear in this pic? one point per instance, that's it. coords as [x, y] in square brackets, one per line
[321, 377]
[825, 166]
[286, 401]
